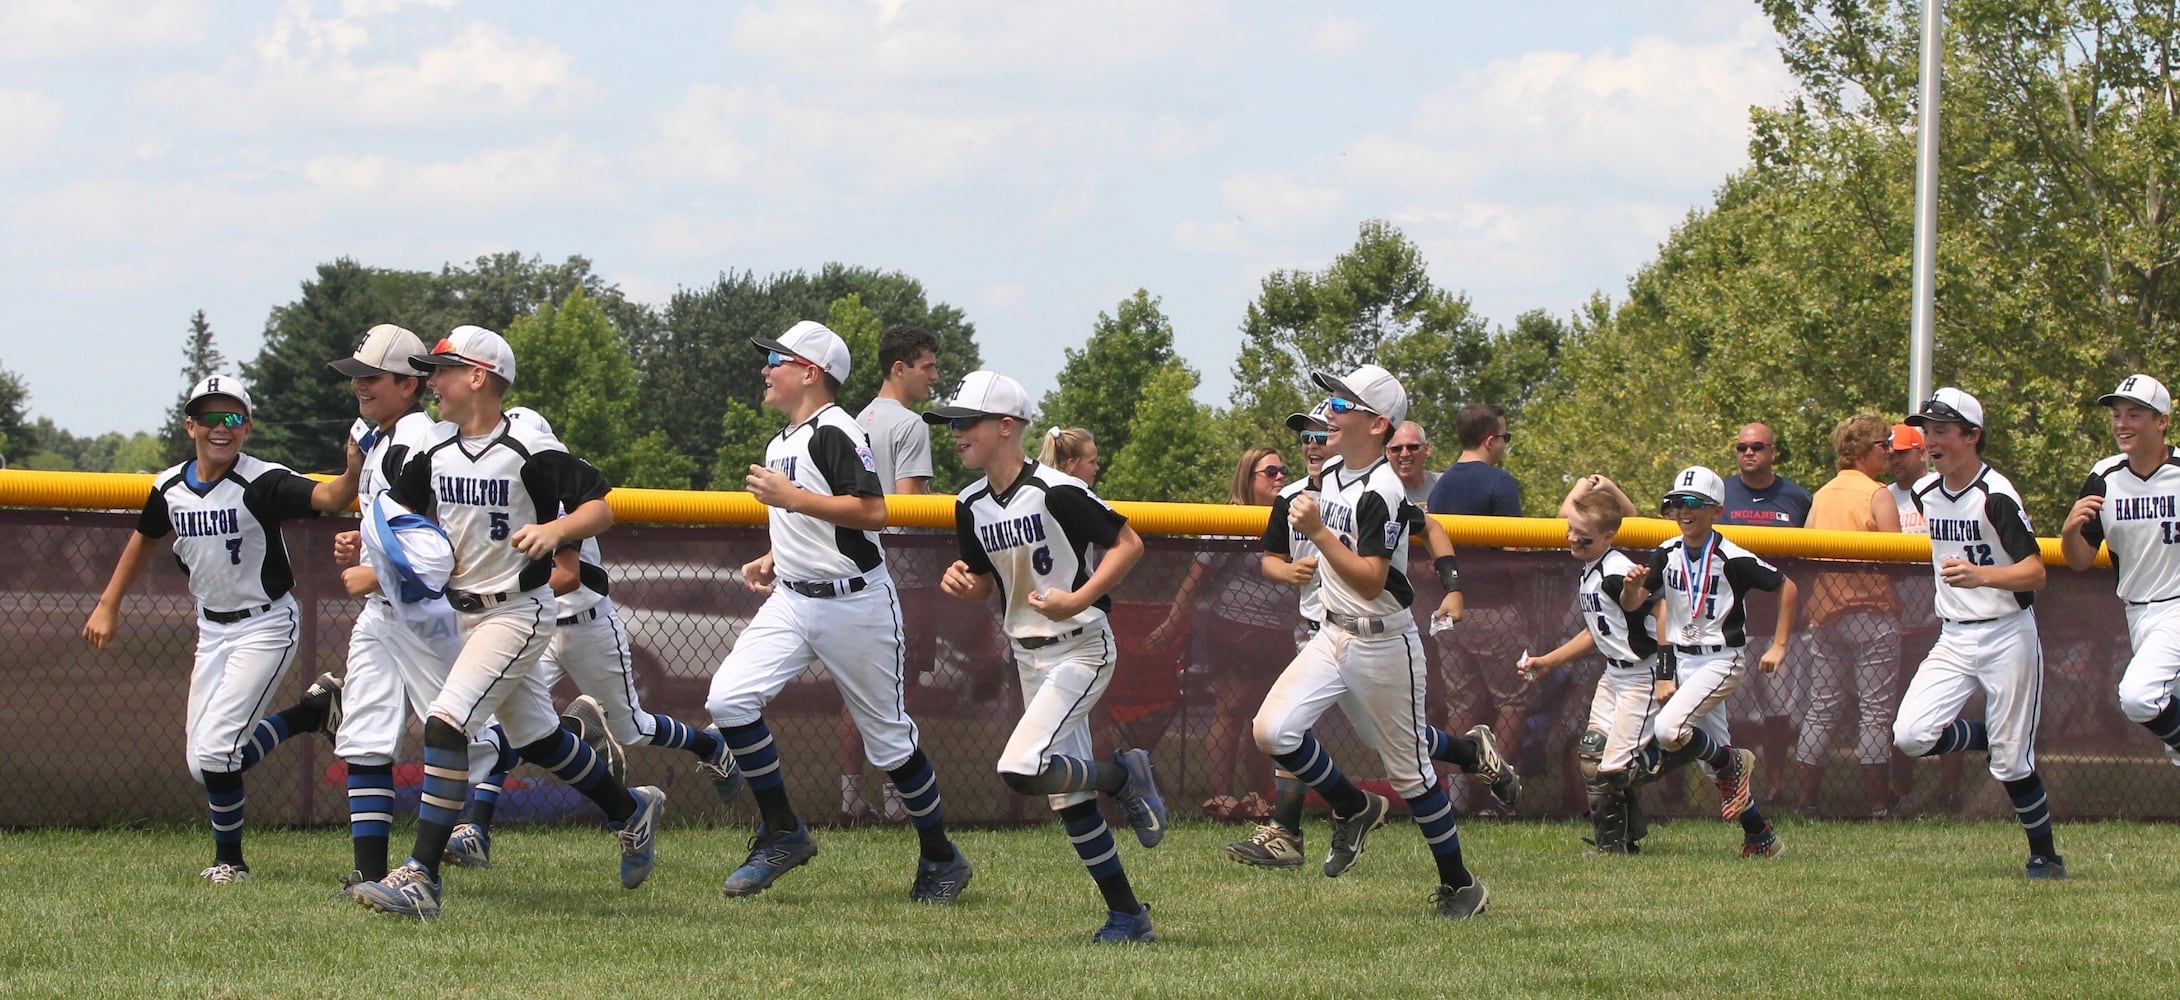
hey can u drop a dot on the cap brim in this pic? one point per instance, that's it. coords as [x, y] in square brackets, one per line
[769, 344]
[1924, 419]
[2115, 397]
[441, 360]
[1335, 387]
[357, 368]
[942, 414]
[196, 405]
[1304, 422]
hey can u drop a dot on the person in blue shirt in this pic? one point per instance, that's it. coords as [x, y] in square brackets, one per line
[1475, 483]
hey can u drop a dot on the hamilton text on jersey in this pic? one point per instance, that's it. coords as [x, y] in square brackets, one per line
[1012, 532]
[2143, 508]
[1947, 529]
[197, 523]
[473, 492]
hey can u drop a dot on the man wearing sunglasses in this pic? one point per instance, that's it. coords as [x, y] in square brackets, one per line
[1760, 497]
[1475, 483]
[1410, 454]
[1988, 568]
[224, 509]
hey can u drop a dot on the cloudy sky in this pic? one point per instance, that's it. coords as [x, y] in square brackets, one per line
[1031, 163]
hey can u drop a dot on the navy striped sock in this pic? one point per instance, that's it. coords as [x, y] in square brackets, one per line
[484, 797]
[2033, 808]
[1752, 822]
[674, 734]
[1093, 842]
[269, 732]
[1701, 746]
[446, 779]
[2166, 725]
[1314, 766]
[223, 789]
[918, 784]
[759, 760]
[1446, 748]
[370, 816]
[573, 761]
[1433, 812]
[1961, 735]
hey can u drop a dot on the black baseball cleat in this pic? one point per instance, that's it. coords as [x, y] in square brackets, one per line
[1494, 768]
[325, 694]
[941, 882]
[1348, 833]
[1463, 903]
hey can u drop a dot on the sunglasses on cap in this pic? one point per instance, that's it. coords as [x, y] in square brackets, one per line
[1273, 472]
[1316, 437]
[1940, 410]
[445, 349]
[1338, 405]
[1688, 501]
[220, 419]
[774, 359]
[964, 423]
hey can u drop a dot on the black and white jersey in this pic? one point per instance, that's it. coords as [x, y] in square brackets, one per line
[484, 489]
[1368, 509]
[227, 532]
[384, 453]
[1280, 538]
[829, 456]
[1983, 524]
[1621, 635]
[2141, 523]
[1035, 536]
[1705, 587]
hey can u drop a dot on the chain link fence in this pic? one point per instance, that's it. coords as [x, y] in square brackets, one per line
[96, 738]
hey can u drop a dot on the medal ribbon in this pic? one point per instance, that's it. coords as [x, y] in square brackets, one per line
[1697, 597]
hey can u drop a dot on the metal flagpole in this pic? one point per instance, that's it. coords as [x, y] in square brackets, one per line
[1926, 207]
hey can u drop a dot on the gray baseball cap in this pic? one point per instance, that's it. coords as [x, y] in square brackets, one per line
[385, 348]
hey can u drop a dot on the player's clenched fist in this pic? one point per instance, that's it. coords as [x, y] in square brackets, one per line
[359, 581]
[1302, 514]
[1056, 604]
[100, 629]
[2085, 510]
[1301, 570]
[757, 574]
[346, 546]
[958, 581]
[1772, 659]
[537, 541]
[770, 487]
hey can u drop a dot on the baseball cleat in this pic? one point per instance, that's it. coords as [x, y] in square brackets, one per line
[1139, 798]
[469, 846]
[1764, 846]
[1125, 928]
[770, 857]
[349, 882]
[590, 727]
[1271, 846]
[2047, 867]
[1492, 766]
[222, 873]
[1734, 793]
[325, 692]
[726, 775]
[1348, 833]
[407, 891]
[639, 835]
[1463, 903]
[941, 882]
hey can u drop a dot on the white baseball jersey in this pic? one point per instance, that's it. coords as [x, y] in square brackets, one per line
[1035, 536]
[900, 442]
[1911, 516]
[484, 489]
[2141, 523]
[1369, 510]
[829, 456]
[1706, 587]
[227, 532]
[1621, 635]
[1280, 538]
[384, 453]
[1985, 525]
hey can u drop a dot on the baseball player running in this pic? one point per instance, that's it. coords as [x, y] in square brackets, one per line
[498, 487]
[2131, 502]
[590, 645]
[1704, 579]
[1026, 528]
[1987, 568]
[1368, 647]
[1290, 557]
[1635, 665]
[224, 510]
[829, 597]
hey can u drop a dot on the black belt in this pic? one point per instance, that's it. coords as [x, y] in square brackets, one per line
[1041, 641]
[1622, 664]
[1312, 624]
[1700, 650]
[2161, 600]
[1970, 621]
[580, 617]
[231, 617]
[827, 588]
[465, 601]
[1358, 625]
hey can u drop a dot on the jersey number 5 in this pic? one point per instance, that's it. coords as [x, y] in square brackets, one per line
[499, 526]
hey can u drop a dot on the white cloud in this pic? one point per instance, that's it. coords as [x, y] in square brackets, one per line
[482, 183]
[705, 233]
[161, 215]
[29, 120]
[1003, 297]
[61, 29]
[1335, 36]
[969, 39]
[1280, 201]
[1174, 139]
[305, 72]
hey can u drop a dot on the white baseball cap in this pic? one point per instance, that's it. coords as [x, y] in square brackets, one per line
[474, 346]
[217, 385]
[983, 394]
[1314, 420]
[2141, 389]
[1373, 387]
[812, 342]
[1948, 406]
[531, 417]
[1699, 482]
[385, 348]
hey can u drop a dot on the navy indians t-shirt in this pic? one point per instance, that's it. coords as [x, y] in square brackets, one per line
[1476, 488]
[1783, 504]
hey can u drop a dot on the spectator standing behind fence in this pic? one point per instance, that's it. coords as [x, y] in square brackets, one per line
[2130, 502]
[1760, 497]
[1073, 451]
[1251, 637]
[1480, 681]
[1475, 483]
[1410, 453]
[1854, 645]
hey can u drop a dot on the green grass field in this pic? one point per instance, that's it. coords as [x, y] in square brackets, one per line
[1865, 910]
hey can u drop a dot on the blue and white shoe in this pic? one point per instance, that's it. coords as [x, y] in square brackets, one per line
[1139, 798]
[726, 775]
[407, 891]
[590, 727]
[1125, 928]
[771, 856]
[639, 835]
[469, 846]
[941, 882]
[2047, 867]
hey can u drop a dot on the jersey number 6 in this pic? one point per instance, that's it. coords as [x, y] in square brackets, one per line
[1041, 559]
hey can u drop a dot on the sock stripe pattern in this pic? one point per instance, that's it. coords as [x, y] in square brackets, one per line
[1960, 735]
[1311, 764]
[1093, 842]
[918, 784]
[224, 793]
[446, 778]
[1433, 812]
[370, 801]
[752, 748]
[1070, 774]
[2166, 726]
[267, 734]
[2031, 805]
[672, 733]
[574, 762]
[1706, 749]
